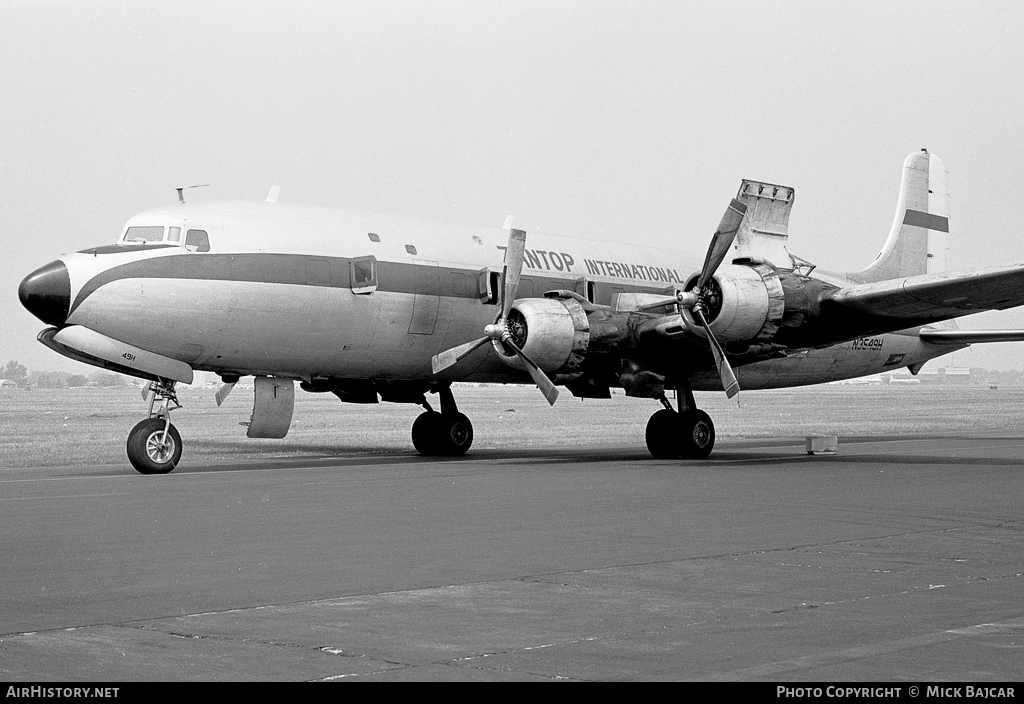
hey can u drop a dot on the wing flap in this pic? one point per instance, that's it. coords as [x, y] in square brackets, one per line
[937, 296]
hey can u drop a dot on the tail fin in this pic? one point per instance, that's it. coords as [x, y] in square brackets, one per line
[919, 240]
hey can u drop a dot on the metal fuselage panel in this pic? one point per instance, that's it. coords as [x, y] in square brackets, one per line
[847, 360]
[274, 296]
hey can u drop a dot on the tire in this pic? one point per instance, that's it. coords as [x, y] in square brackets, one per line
[455, 435]
[698, 435]
[148, 452]
[425, 431]
[663, 430]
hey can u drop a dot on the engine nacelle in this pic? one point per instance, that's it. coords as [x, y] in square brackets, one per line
[553, 332]
[747, 304]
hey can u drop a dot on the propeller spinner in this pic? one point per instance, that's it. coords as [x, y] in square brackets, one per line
[498, 333]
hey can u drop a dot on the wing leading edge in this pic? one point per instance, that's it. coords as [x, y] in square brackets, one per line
[935, 296]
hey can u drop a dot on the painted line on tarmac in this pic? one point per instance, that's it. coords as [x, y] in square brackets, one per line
[200, 470]
[868, 651]
[71, 496]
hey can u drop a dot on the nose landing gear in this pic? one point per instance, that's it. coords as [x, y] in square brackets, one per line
[154, 445]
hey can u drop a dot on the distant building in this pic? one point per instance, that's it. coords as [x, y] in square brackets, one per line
[870, 380]
[938, 376]
[946, 376]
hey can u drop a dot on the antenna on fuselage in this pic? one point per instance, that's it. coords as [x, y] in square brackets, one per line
[181, 195]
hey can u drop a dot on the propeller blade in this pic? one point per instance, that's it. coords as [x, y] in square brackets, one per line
[722, 241]
[539, 377]
[222, 393]
[686, 299]
[510, 274]
[729, 382]
[442, 360]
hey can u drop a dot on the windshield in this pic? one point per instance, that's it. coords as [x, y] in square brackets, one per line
[149, 233]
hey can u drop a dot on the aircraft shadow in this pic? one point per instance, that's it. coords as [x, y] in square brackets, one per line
[763, 452]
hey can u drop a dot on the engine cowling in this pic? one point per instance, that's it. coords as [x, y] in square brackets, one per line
[553, 332]
[747, 304]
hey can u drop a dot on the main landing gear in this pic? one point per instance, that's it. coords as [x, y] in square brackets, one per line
[445, 434]
[154, 445]
[688, 434]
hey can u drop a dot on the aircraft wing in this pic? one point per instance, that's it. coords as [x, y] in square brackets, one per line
[935, 296]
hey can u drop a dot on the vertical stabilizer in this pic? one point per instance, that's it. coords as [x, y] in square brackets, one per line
[919, 240]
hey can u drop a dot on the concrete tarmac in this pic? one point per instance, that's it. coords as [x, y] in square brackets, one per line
[899, 559]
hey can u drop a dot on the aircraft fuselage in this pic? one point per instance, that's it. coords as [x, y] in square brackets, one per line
[280, 292]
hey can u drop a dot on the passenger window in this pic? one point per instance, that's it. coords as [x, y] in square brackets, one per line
[364, 275]
[488, 283]
[197, 241]
[149, 233]
[319, 272]
[585, 287]
[526, 288]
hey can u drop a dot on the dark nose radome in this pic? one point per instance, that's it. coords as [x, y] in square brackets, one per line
[46, 292]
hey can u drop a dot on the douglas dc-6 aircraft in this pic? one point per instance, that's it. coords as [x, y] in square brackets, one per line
[376, 308]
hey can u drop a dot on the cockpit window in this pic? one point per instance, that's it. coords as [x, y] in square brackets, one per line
[148, 233]
[174, 234]
[197, 241]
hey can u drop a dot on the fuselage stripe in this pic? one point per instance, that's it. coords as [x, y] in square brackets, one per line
[423, 279]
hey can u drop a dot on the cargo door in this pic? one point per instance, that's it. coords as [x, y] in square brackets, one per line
[426, 281]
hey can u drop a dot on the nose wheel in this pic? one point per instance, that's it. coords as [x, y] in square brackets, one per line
[154, 445]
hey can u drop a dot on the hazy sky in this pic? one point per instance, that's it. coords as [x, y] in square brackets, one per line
[612, 120]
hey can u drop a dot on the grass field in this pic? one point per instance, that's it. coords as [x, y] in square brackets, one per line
[47, 427]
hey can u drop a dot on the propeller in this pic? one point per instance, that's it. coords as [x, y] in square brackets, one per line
[497, 333]
[696, 299]
[229, 383]
[222, 392]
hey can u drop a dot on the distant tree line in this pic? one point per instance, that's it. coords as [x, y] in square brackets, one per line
[23, 378]
[1009, 378]
[20, 375]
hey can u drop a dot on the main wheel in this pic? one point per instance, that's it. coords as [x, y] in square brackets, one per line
[149, 451]
[425, 430]
[663, 431]
[455, 434]
[698, 435]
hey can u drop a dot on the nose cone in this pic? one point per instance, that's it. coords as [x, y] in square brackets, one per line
[46, 293]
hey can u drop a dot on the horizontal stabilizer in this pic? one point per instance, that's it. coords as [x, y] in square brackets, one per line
[970, 337]
[935, 296]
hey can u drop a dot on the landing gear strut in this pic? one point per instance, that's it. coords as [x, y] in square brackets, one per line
[446, 434]
[688, 434]
[154, 445]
